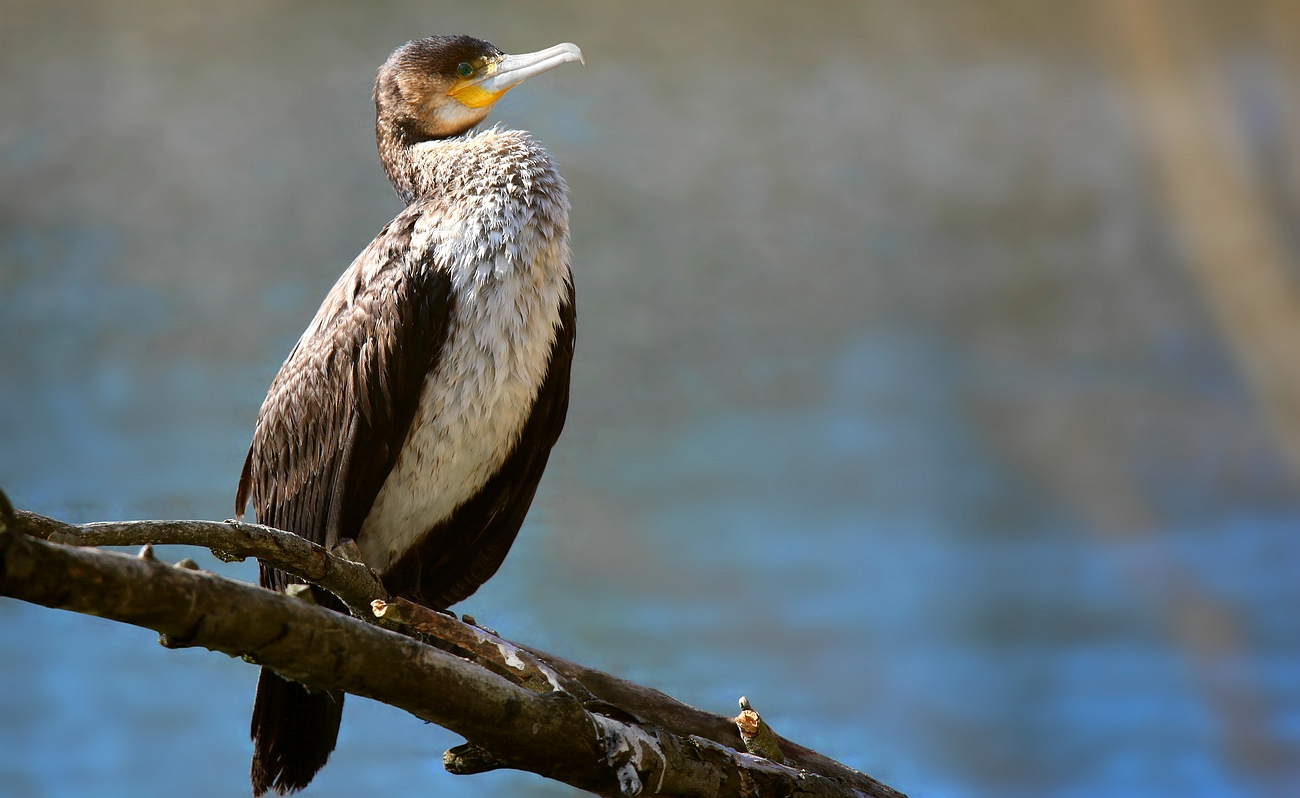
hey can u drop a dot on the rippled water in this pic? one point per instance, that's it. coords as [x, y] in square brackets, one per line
[896, 407]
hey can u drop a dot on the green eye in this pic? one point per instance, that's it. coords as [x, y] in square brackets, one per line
[464, 70]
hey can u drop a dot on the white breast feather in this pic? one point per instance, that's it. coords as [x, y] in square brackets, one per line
[504, 243]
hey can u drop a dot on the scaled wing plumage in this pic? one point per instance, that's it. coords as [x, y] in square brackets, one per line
[339, 409]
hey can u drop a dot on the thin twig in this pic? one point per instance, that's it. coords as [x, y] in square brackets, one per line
[352, 581]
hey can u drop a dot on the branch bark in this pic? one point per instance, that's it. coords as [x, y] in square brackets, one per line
[230, 541]
[516, 707]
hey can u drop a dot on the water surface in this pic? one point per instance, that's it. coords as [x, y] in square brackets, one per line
[896, 405]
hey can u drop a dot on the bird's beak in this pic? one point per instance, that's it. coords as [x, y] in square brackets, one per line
[509, 71]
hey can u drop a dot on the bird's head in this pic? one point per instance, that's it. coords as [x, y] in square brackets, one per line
[444, 85]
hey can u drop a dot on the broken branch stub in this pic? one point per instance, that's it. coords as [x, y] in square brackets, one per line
[759, 738]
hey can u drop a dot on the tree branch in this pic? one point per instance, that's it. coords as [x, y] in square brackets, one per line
[229, 541]
[516, 707]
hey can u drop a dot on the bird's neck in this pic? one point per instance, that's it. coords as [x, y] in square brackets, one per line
[411, 162]
[455, 170]
[403, 162]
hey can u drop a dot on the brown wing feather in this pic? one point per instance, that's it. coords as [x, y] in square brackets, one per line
[455, 557]
[339, 409]
[326, 438]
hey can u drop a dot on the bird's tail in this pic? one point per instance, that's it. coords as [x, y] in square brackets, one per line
[293, 733]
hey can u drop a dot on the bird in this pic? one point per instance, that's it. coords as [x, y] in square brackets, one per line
[417, 412]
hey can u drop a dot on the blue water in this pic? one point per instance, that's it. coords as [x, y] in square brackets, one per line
[845, 565]
[896, 407]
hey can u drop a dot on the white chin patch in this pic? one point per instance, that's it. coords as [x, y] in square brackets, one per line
[453, 116]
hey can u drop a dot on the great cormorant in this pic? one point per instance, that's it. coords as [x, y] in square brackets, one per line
[417, 411]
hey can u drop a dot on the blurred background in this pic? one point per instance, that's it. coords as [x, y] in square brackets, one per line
[937, 383]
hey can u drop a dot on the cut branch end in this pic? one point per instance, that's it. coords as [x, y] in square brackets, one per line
[759, 738]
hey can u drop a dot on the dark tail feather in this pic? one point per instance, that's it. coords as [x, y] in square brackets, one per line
[293, 733]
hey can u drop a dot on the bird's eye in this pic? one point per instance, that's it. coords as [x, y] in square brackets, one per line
[464, 70]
